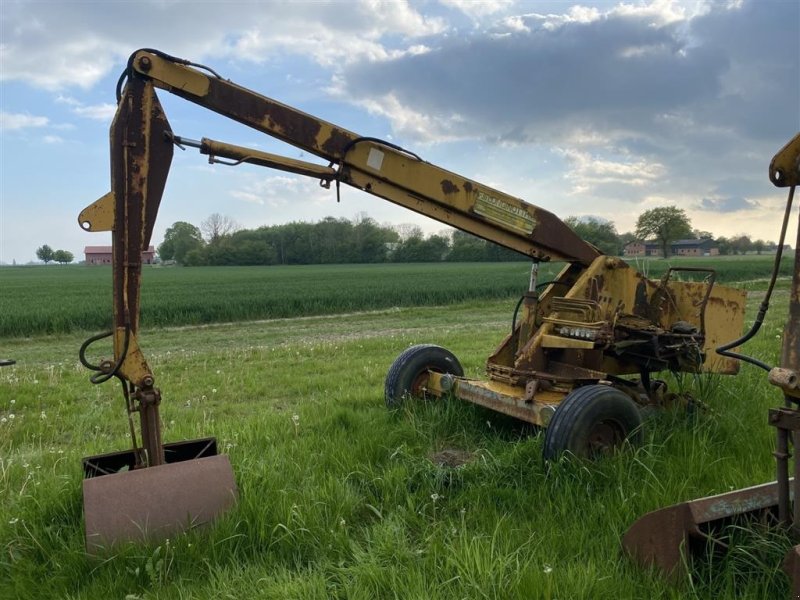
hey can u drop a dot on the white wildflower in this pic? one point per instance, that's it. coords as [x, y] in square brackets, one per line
[547, 569]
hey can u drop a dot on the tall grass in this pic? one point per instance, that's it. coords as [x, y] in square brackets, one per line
[340, 498]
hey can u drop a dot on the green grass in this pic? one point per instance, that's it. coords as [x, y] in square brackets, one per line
[36, 300]
[343, 501]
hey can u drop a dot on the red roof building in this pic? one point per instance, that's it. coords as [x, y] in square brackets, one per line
[101, 255]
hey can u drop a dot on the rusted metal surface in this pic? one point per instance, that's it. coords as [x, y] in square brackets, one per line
[791, 566]
[245, 106]
[154, 503]
[790, 353]
[240, 154]
[502, 398]
[660, 538]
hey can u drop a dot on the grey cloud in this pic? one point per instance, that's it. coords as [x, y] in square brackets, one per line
[540, 79]
[707, 98]
[728, 204]
[731, 69]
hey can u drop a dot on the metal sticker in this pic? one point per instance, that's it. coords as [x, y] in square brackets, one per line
[504, 213]
[375, 159]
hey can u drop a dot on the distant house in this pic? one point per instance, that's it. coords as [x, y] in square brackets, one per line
[703, 247]
[101, 255]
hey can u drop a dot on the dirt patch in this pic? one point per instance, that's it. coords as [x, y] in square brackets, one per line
[451, 457]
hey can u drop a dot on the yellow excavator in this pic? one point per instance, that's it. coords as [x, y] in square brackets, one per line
[577, 362]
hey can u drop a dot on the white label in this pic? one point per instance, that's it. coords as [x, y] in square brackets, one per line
[375, 159]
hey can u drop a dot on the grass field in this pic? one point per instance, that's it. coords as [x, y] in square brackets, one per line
[340, 498]
[59, 299]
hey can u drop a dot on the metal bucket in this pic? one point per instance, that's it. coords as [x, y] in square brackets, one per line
[124, 504]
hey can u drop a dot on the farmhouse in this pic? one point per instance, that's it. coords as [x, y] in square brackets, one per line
[703, 247]
[101, 255]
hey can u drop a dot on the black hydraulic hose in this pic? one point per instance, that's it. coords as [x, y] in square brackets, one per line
[181, 61]
[724, 350]
[102, 376]
[349, 146]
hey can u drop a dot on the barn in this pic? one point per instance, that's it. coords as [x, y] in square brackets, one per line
[101, 255]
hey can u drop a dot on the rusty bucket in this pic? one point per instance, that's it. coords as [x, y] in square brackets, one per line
[122, 503]
[669, 538]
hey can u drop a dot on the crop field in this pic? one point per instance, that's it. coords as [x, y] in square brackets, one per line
[35, 300]
[340, 498]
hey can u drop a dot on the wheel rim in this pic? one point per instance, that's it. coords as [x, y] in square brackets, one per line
[420, 383]
[604, 437]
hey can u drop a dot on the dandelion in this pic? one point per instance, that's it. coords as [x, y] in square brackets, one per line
[296, 422]
[435, 496]
[547, 569]
[342, 522]
[13, 521]
[213, 390]
[11, 417]
[13, 402]
[3, 420]
[43, 416]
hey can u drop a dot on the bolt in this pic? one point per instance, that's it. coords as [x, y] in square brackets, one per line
[145, 64]
[148, 381]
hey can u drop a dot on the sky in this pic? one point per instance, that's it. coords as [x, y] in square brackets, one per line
[598, 108]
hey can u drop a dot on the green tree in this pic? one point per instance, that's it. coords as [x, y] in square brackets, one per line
[741, 244]
[598, 232]
[665, 224]
[467, 248]
[45, 253]
[724, 245]
[179, 240]
[63, 257]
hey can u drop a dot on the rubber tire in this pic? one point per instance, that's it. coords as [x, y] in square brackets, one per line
[404, 376]
[579, 416]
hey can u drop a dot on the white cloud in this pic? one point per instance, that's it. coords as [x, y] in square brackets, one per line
[588, 171]
[74, 45]
[478, 8]
[281, 191]
[97, 112]
[13, 121]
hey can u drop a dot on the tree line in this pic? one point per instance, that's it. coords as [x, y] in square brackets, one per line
[219, 241]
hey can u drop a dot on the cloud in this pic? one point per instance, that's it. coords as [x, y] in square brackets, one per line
[97, 112]
[675, 96]
[727, 204]
[478, 8]
[14, 121]
[57, 46]
[281, 191]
